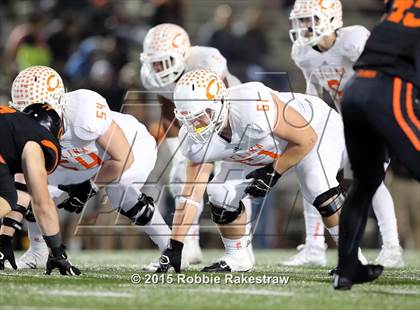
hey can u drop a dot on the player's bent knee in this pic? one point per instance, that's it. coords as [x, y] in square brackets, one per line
[221, 216]
[330, 202]
[142, 212]
[4, 207]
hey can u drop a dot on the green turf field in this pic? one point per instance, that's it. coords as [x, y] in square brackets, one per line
[106, 284]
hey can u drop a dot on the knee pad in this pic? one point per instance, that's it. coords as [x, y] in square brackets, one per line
[142, 212]
[332, 207]
[222, 216]
[30, 216]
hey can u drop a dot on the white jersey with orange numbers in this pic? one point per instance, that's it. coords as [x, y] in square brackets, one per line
[253, 114]
[201, 57]
[332, 69]
[86, 118]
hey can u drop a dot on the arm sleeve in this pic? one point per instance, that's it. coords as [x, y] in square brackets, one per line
[52, 153]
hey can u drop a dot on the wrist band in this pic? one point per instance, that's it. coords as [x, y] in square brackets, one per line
[94, 186]
[182, 199]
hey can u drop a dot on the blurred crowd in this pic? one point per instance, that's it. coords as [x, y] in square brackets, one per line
[95, 44]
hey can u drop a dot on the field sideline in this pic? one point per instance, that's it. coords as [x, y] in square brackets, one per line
[106, 284]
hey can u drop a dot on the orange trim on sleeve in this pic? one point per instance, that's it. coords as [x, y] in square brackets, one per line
[2, 161]
[269, 154]
[409, 104]
[367, 74]
[52, 146]
[399, 116]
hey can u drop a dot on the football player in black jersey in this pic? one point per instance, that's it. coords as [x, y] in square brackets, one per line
[29, 144]
[381, 113]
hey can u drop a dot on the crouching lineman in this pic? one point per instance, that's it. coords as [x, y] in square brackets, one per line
[326, 52]
[29, 144]
[386, 119]
[251, 126]
[167, 55]
[99, 148]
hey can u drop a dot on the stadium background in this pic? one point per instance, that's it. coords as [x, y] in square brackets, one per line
[95, 44]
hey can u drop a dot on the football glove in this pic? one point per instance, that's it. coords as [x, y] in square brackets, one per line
[63, 265]
[263, 180]
[171, 257]
[6, 252]
[79, 194]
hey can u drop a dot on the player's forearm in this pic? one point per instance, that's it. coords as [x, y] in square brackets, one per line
[293, 154]
[47, 217]
[111, 170]
[191, 196]
[185, 214]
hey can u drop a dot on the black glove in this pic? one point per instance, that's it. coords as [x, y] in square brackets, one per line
[171, 257]
[61, 262]
[79, 194]
[6, 252]
[264, 179]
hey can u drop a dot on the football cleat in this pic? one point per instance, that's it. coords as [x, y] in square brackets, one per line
[362, 259]
[233, 261]
[217, 267]
[309, 255]
[391, 257]
[32, 259]
[364, 274]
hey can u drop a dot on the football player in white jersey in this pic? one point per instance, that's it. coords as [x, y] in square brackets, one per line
[167, 55]
[259, 134]
[99, 148]
[325, 51]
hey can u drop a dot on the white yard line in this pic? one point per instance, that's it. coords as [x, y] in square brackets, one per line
[255, 292]
[399, 292]
[248, 292]
[85, 293]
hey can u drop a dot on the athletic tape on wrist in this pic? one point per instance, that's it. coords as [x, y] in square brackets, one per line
[182, 199]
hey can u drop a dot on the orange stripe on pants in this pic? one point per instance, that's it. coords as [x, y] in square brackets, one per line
[409, 104]
[2, 161]
[399, 116]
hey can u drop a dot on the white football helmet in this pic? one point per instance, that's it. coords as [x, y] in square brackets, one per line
[38, 84]
[166, 48]
[313, 19]
[200, 99]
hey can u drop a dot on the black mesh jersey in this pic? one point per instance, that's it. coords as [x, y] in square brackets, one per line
[394, 43]
[16, 129]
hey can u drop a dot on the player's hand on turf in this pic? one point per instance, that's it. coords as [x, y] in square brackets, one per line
[171, 257]
[79, 194]
[63, 265]
[263, 180]
[6, 252]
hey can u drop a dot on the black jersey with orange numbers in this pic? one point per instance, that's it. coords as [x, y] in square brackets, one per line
[394, 43]
[16, 129]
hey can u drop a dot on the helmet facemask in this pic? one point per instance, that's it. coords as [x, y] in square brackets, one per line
[202, 124]
[305, 30]
[311, 21]
[166, 48]
[165, 68]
